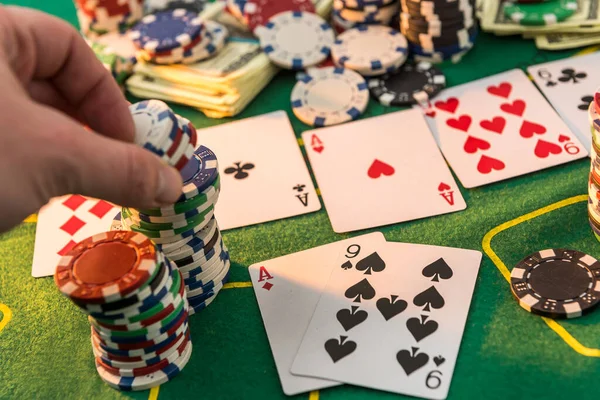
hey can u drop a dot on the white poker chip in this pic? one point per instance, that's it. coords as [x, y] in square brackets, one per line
[156, 126]
[369, 15]
[296, 39]
[370, 49]
[329, 96]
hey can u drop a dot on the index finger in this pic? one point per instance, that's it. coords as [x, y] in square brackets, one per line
[43, 47]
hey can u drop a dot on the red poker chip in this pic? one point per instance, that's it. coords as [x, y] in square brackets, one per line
[107, 267]
[258, 12]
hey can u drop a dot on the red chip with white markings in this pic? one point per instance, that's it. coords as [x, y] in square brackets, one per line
[258, 12]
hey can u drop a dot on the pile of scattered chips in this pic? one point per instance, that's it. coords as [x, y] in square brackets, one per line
[539, 12]
[370, 50]
[594, 179]
[557, 283]
[117, 53]
[255, 13]
[186, 232]
[411, 84]
[177, 36]
[296, 39]
[151, 6]
[348, 14]
[134, 298]
[103, 16]
[439, 30]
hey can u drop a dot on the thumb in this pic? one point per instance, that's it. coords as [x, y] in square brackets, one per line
[113, 170]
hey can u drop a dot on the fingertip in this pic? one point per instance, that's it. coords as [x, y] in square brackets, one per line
[169, 186]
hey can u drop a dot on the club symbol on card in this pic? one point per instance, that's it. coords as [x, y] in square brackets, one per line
[239, 170]
[412, 360]
[339, 348]
[502, 90]
[438, 360]
[585, 103]
[438, 269]
[350, 318]
[391, 307]
[302, 197]
[547, 76]
[264, 275]
[379, 168]
[569, 74]
[371, 263]
[421, 328]
[428, 299]
[360, 291]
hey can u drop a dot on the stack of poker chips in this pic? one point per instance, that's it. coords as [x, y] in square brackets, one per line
[187, 231]
[439, 30]
[177, 36]
[349, 14]
[594, 179]
[103, 16]
[134, 298]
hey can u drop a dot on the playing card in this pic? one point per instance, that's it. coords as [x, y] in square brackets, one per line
[263, 174]
[64, 222]
[381, 171]
[287, 290]
[569, 86]
[498, 128]
[392, 319]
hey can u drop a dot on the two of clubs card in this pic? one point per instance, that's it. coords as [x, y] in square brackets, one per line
[500, 127]
[366, 312]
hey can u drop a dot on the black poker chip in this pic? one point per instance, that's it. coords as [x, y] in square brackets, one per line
[557, 283]
[446, 39]
[413, 83]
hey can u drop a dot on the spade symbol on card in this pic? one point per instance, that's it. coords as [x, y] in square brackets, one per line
[438, 269]
[339, 348]
[350, 318]
[391, 307]
[421, 328]
[347, 265]
[360, 291]
[428, 299]
[371, 263]
[410, 361]
[439, 360]
[239, 170]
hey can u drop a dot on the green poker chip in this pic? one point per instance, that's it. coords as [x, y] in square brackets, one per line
[157, 230]
[546, 13]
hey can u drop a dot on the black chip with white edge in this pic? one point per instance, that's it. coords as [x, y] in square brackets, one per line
[411, 84]
[557, 283]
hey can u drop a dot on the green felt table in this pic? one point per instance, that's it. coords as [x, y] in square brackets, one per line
[506, 352]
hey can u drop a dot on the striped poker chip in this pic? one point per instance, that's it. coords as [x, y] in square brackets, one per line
[557, 283]
[107, 267]
[148, 381]
[199, 173]
[209, 272]
[166, 30]
[205, 269]
[192, 263]
[173, 235]
[156, 126]
[194, 290]
[181, 259]
[296, 39]
[197, 243]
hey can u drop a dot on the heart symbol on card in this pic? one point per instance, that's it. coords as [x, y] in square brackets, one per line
[496, 124]
[461, 123]
[430, 113]
[563, 138]
[379, 168]
[450, 105]
[543, 149]
[502, 90]
[473, 144]
[488, 164]
[528, 129]
[318, 149]
[517, 107]
[443, 187]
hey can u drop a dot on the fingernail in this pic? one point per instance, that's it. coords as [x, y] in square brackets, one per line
[169, 186]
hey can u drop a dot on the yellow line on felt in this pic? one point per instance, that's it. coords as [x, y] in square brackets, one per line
[587, 50]
[6, 315]
[487, 248]
[237, 285]
[153, 395]
[314, 395]
[31, 218]
[300, 142]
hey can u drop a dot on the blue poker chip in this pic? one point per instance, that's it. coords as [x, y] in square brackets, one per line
[196, 280]
[194, 274]
[146, 381]
[166, 30]
[199, 173]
